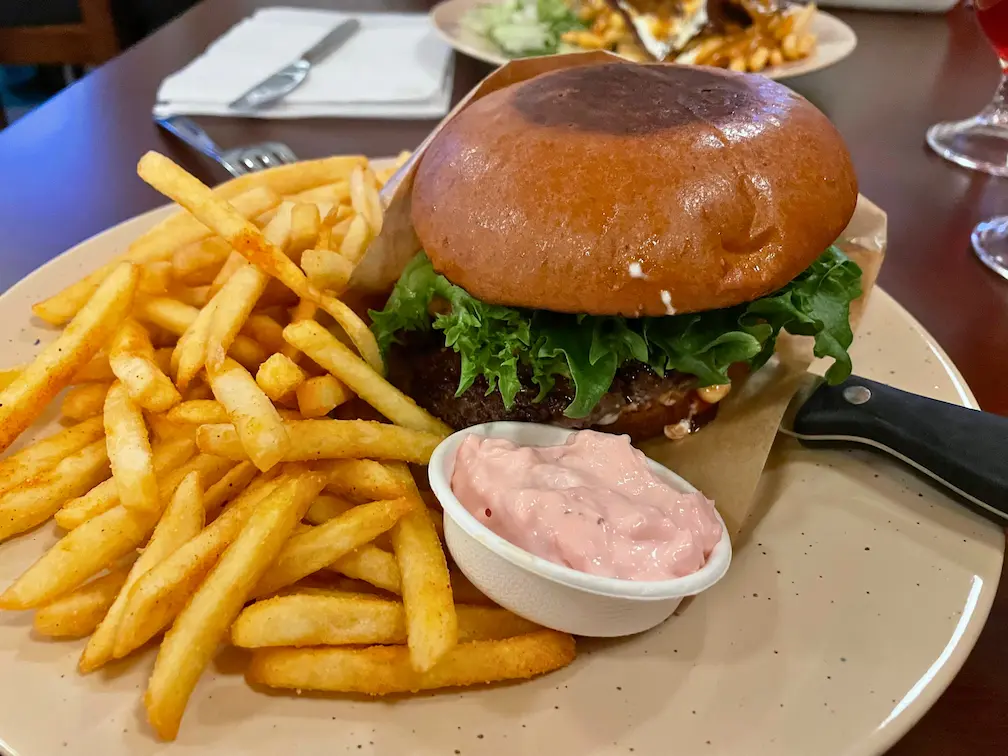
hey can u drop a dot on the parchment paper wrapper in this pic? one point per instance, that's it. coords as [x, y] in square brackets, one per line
[726, 458]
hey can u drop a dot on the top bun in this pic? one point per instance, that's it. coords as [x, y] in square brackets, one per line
[625, 189]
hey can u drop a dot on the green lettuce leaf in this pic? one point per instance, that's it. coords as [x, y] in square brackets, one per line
[496, 342]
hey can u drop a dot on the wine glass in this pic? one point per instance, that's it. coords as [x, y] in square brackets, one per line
[981, 142]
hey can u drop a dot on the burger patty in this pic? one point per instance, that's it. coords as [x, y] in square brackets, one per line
[639, 402]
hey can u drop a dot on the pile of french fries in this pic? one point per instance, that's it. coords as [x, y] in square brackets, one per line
[217, 480]
[774, 38]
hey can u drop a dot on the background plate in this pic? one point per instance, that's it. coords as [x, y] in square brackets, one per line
[836, 40]
[843, 616]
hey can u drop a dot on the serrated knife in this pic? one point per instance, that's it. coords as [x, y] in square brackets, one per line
[963, 449]
[280, 84]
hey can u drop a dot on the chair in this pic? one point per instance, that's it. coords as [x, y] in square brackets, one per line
[67, 32]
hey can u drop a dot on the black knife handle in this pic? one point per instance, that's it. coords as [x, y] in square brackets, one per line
[965, 449]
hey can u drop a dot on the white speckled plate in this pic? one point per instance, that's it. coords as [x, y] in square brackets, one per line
[835, 40]
[841, 620]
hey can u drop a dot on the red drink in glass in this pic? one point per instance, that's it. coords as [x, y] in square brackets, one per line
[993, 18]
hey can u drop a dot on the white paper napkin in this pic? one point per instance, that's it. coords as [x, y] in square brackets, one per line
[395, 66]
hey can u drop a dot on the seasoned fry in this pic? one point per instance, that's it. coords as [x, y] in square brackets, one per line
[83, 402]
[182, 520]
[327, 351]
[37, 459]
[129, 453]
[427, 595]
[34, 502]
[198, 412]
[305, 310]
[382, 670]
[97, 370]
[231, 266]
[195, 296]
[304, 229]
[298, 178]
[157, 244]
[190, 352]
[265, 330]
[372, 565]
[132, 361]
[356, 329]
[364, 198]
[23, 400]
[192, 640]
[234, 304]
[355, 241]
[155, 278]
[161, 594]
[312, 550]
[77, 614]
[176, 317]
[244, 237]
[363, 480]
[353, 619]
[225, 489]
[279, 377]
[260, 429]
[330, 439]
[326, 269]
[198, 263]
[319, 396]
[169, 457]
[325, 507]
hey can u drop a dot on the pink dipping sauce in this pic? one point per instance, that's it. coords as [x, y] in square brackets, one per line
[592, 504]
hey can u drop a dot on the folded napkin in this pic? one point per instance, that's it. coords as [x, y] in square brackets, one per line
[395, 66]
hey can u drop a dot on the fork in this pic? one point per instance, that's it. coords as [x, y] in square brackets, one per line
[237, 161]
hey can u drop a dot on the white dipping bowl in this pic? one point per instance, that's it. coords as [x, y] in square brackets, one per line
[550, 594]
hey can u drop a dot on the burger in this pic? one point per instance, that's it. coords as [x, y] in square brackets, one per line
[609, 246]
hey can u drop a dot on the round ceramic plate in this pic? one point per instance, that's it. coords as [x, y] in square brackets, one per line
[835, 40]
[844, 615]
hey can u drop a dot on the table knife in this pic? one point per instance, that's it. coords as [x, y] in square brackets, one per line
[963, 449]
[290, 77]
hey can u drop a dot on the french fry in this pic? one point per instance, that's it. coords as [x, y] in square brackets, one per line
[229, 486]
[34, 502]
[384, 670]
[77, 614]
[83, 402]
[97, 370]
[8, 375]
[171, 463]
[182, 520]
[354, 242]
[310, 551]
[190, 352]
[157, 244]
[325, 507]
[176, 317]
[234, 304]
[279, 377]
[131, 359]
[192, 640]
[231, 266]
[325, 349]
[326, 269]
[198, 412]
[319, 396]
[161, 594]
[305, 310]
[464, 592]
[23, 400]
[129, 453]
[312, 440]
[263, 436]
[372, 565]
[364, 198]
[194, 296]
[334, 619]
[304, 229]
[243, 236]
[298, 179]
[363, 480]
[155, 278]
[77, 556]
[197, 264]
[265, 330]
[426, 585]
[34, 461]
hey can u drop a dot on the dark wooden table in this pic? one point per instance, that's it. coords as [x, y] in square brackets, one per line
[67, 172]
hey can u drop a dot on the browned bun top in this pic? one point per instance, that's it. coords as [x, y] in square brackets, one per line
[632, 190]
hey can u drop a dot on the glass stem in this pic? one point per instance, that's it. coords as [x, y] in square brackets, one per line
[997, 110]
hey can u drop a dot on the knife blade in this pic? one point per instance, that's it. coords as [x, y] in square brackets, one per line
[961, 448]
[280, 84]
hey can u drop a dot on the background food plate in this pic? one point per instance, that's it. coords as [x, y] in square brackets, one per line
[836, 40]
[844, 615]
